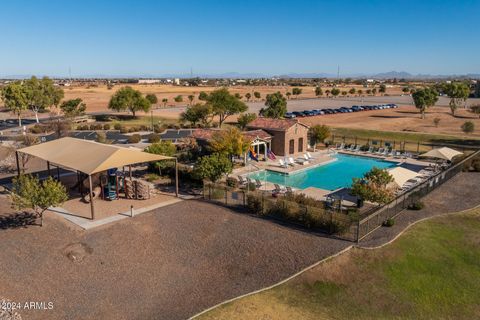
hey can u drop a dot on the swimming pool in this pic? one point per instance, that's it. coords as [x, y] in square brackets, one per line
[331, 176]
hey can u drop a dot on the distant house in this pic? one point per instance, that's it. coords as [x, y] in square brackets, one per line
[289, 136]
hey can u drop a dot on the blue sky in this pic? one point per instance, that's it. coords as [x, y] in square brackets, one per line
[270, 37]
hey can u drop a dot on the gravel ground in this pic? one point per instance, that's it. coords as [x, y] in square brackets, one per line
[168, 264]
[459, 193]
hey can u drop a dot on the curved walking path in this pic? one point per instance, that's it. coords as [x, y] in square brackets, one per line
[458, 194]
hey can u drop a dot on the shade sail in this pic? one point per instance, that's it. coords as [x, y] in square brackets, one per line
[442, 153]
[88, 156]
[401, 175]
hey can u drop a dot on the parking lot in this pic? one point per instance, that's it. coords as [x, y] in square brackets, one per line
[327, 111]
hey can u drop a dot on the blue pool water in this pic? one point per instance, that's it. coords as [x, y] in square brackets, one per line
[330, 176]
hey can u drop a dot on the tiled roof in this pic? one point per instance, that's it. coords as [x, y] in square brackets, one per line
[207, 134]
[253, 134]
[273, 124]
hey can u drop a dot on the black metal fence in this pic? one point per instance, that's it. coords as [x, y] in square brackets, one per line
[405, 145]
[375, 219]
[331, 218]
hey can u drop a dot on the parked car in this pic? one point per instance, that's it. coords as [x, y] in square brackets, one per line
[289, 115]
[298, 114]
[308, 113]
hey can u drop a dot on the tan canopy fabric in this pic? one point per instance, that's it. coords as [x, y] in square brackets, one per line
[401, 175]
[442, 153]
[88, 156]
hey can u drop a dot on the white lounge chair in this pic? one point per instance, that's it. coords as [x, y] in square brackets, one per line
[309, 156]
[258, 183]
[370, 150]
[282, 163]
[242, 180]
[290, 162]
[357, 148]
[278, 188]
[342, 145]
[380, 151]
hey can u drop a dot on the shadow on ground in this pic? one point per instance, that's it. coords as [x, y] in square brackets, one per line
[18, 220]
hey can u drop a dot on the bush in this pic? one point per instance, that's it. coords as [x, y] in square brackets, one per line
[418, 205]
[232, 182]
[36, 129]
[217, 193]
[134, 138]
[102, 117]
[154, 138]
[150, 177]
[106, 126]
[117, 126]
[123, 129]
[143, 128]
[158, 128]
[254, 204]
[476, 165]
[251, 186]
[388, 223]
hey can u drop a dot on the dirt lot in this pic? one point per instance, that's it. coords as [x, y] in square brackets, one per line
[405, 118]
[97, 98]
[168, 264]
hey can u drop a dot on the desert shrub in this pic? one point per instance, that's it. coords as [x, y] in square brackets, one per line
[417, 205]
[150, 177]
[123, 129]
[158, 128]
[143, 127]
[106, 126]
[388, 223]
[153, 138]
[251, 186]
[232, 182]
[278, 208]
[102, 117]
[134, 138]
[117, 126]
[36, 129]
[254, 203]
[217, 193]
[305, 200]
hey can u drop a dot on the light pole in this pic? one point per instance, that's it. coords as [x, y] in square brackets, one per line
[151, 118]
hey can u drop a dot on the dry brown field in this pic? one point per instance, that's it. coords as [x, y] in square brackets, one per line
[97, 98]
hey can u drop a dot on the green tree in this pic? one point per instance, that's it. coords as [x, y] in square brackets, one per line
[14, 98]
[248, 95]
[29, 193]
[352, 91]
[178, 98]
[405, 89]
[130, 99]
[468, 127]
[152, 98]
[335, 92]
[230, 142]
[457, 92]
[257, 95]
[344, 93]
[198, 113]
[436, 121]
[360, 92]
[374, 186]
[191, 97]
[288, 94]
[213, 167]
[424, 99]
[245, 118]
[327, 93]
[238, 96]
[383, 88]
[276, 106]
[224, 104]
[374, 91]
[203, 96]
[318, 91]
[318, 134]
[369, 91]
[73, 107]
[164, 101]
[164, 148]
[296, 92]
[41, 94]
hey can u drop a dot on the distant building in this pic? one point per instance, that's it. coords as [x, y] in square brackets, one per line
[176, 81]
[148, 81]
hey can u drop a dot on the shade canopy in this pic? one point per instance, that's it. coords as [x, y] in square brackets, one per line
[88, 156]
[442, 153]
[401, 175]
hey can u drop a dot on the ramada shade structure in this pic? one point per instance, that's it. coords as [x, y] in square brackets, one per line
[401, 175]
[443, 153]
[91, 157]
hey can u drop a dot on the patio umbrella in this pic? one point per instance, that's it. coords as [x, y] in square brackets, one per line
[442, 153]
[401, 175]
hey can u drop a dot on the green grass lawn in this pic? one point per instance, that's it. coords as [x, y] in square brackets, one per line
[430, 272]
